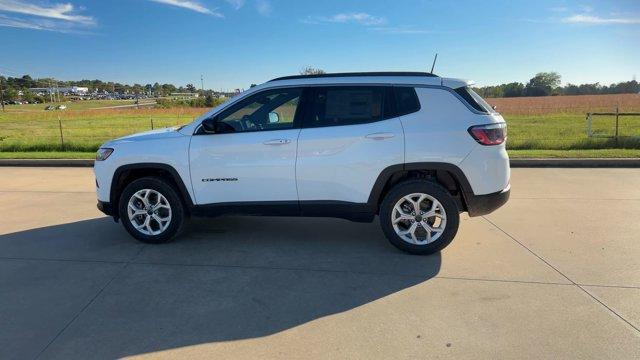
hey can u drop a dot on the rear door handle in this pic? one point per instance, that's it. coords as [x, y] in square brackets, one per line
[380, 136]
[277, 142]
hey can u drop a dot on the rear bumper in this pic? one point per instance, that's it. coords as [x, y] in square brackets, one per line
[478, 205]
[106, 208]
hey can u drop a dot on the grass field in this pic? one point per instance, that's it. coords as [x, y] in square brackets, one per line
[71, 105]
[545, 126]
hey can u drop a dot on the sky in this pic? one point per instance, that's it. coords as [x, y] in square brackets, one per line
[234, 43]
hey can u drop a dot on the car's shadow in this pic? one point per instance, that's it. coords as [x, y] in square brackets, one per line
[225, 279]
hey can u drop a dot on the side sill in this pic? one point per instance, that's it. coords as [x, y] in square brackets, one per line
[332, 209]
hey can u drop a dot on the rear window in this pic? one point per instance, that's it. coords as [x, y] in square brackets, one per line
[406, 100]
[474, 100]
[334, 106]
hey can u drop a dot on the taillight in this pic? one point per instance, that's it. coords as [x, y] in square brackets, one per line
[490, 134]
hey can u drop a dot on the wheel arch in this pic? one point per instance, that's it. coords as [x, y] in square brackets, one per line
[450, 176]
[125, 174]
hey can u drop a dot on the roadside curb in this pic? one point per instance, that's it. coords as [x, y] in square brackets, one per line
[515, 163]
[575, 163]
[47, 162]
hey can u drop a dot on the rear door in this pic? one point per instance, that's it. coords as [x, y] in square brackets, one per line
[350, 134]
[251, 156]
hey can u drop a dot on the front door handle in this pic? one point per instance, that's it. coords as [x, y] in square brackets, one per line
[277, 142]
[380, 136]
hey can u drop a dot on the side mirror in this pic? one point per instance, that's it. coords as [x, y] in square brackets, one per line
[274, 117]
[494, 107]
[209, 125]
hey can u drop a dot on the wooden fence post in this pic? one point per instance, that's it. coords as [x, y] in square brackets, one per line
[61, 136]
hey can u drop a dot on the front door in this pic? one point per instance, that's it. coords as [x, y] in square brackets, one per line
[251, 155]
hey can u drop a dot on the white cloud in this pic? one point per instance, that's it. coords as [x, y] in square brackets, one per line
[236, 4]
[359, 18]
[355, 18]
[40, 24]
[190, 5]
[596, 20]
[63, 12]
[264, 7]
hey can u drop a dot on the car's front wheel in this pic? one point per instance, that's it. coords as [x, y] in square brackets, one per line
[151, 210]
[419, 217]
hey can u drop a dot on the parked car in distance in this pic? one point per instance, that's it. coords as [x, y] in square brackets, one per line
[413, 148]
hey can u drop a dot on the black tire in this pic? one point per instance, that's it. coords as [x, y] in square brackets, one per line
[420, 186]
[169, 192]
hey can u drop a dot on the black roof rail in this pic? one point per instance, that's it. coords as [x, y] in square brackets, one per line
[355, 74]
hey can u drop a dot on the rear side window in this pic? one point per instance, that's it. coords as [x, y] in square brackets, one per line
[474, 100]
[406, 100]
[342, 105]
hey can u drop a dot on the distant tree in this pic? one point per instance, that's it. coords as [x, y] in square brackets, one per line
[10, 94]
[191, 88]
[542, 84]
[168, 88]
[312, 71]
[513, 89]
[209, 101]
[28, 96]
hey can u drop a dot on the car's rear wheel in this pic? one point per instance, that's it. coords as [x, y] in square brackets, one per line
[419, 217]
[151, 210]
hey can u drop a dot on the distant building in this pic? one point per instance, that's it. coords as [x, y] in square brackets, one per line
[71, 90]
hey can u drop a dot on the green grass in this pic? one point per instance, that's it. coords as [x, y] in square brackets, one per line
[84, 130]
[71, 105]
[514, 154]
[596, 153]
[48, 155]
[569, 132]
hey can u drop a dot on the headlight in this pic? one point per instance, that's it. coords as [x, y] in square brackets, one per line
[103, 154]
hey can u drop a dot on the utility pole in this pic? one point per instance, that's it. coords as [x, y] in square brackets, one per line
[201, 83]
[50, 91]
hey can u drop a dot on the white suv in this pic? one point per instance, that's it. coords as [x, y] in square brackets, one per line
[413, 148]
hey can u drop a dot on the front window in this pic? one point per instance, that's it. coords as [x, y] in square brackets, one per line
[267, 110]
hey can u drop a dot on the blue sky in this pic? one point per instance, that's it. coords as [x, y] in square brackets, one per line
[234, 43]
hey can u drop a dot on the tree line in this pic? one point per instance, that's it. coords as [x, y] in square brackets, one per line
[542, 84]
[26, 82]
[548, 84]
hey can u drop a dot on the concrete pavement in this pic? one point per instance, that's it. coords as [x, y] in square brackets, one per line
[553, 274]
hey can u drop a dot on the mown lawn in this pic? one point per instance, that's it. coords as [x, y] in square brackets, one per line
[84, 130]
[514, 154]
[71, 105]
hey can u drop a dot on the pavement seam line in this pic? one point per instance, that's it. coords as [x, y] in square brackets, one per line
[86, 306]
[565, 276]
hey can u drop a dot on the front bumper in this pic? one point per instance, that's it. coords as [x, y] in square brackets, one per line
[106, 208]
[478, 205]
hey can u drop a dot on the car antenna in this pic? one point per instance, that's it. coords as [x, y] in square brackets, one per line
[434, 62]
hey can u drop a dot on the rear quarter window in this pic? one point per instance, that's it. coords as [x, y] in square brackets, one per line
[474, 100]
[406, 100]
